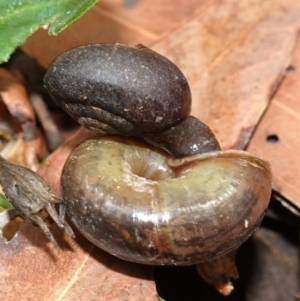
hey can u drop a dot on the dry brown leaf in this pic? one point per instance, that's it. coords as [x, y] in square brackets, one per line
[234, 54]
[15, 151]
[129, 22]
[14, 96]
[277, 136]
[150, 17]
[33, 269]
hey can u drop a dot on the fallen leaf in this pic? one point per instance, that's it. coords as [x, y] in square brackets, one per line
[33, 269]
[129, 22]
[234, 55]
[14, 96]
[277, 136]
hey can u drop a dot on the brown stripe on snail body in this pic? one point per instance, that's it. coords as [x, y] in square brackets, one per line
[142, 205]
[134, 199]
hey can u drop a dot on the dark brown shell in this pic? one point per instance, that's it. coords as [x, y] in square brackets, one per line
[119, 89]
[115, 89]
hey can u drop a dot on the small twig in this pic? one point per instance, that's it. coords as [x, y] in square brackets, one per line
[219, 271]
[52, 133]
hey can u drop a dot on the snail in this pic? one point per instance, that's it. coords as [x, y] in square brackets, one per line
[142, 205]
[115, 89]
[155, 187]
[177, 199]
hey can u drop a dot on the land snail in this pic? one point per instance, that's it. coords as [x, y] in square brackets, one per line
[155, 187]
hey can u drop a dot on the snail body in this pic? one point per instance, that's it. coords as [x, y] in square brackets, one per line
[142, 205]
[177, 199]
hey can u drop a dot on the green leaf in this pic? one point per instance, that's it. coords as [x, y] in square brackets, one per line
[21, 18]
[4, 203]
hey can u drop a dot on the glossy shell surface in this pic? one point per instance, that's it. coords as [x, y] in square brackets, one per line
[118, 89]
[140, 204]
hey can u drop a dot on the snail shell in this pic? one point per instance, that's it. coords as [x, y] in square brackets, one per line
[118, 89]
[142, 205]
[115, 89]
